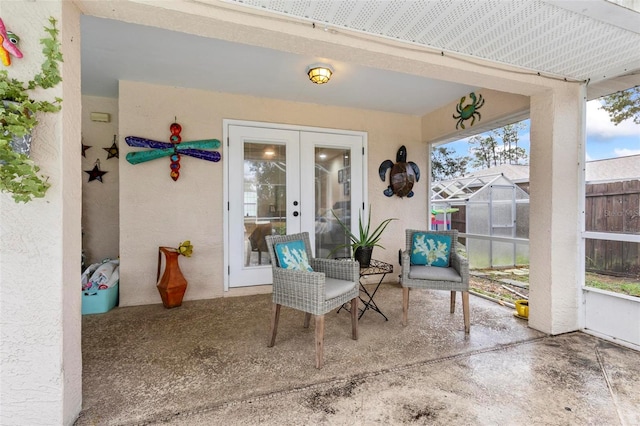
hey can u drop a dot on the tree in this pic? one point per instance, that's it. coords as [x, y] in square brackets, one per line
[446, 165]
[623, 105]
[486, 153]
[511, 153]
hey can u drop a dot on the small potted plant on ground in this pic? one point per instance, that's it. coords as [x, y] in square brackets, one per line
[18, 117]
[362, 244]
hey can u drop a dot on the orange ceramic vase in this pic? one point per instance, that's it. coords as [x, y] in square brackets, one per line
[172, 285]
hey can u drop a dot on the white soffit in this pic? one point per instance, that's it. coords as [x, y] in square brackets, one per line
[579, 40]
[144, 53]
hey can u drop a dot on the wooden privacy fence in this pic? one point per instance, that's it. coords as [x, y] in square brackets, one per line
[613, 207]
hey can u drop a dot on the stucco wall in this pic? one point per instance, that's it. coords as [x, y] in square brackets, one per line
[557, 165]
[40, 356]
[495, 110]
[155, 210]
[100, 213]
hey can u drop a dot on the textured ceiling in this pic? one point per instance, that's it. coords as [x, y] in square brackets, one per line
[149, 54]
[581, 40]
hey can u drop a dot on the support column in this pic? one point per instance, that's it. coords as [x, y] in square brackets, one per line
[557, 163]
[40, 255]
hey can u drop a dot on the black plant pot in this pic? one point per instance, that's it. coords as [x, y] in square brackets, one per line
[363, 255]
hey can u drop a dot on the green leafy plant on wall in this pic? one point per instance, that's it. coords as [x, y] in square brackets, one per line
[18, 117]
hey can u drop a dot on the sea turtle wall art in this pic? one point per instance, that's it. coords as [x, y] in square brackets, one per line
[402, 176]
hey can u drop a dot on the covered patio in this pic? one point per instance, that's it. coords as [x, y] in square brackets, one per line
[193, 365]
[143, 363]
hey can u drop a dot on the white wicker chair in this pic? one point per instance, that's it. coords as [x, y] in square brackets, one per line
[454, 278]
[331, 284]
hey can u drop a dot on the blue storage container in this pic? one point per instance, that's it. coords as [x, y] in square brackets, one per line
[100, 301]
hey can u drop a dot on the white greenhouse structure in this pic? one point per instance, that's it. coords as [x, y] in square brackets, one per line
[492, 215]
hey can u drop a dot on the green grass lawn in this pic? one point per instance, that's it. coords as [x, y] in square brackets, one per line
[624, 285]
[629, 286]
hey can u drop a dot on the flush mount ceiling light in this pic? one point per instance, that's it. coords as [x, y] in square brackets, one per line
[319, 73]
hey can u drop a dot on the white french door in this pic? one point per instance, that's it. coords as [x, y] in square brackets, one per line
[284, 180]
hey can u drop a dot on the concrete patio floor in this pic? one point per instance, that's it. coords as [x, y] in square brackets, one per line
[207, 363]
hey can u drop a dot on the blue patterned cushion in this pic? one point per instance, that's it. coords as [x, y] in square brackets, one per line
[293, 255]
[430, 249]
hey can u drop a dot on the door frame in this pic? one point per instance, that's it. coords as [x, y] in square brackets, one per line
[266, 125]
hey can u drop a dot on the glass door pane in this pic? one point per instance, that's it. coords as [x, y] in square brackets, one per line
[263, 179]
[337, 181]
[265, 185]
[332, 196]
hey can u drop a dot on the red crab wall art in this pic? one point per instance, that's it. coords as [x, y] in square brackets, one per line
[403, 175]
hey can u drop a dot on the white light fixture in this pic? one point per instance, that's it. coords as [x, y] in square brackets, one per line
[319, 73]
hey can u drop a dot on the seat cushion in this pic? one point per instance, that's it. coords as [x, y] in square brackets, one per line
[430, 249]
[420, 272]
[293, 255]
[334, 287]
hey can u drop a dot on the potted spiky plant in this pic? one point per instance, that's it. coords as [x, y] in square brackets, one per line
[362, 244]
[18, 117]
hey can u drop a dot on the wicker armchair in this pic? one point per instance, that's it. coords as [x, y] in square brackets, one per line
[331, 284]
[454, 278]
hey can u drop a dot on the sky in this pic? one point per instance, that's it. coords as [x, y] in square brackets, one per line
[604, 139]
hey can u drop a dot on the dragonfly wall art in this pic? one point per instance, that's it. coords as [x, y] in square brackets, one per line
[173, 150]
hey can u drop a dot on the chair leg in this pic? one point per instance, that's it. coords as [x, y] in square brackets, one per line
[465, 311]
[354, 318]
[453, 302]
[275, 316]
[319, 340]
[405, 305]
[307, 319]
[259, 257]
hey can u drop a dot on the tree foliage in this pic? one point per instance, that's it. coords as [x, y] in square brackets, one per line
[446, 165]
[511, 152]
[624, 105]
[485, 151]
[489, 152]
